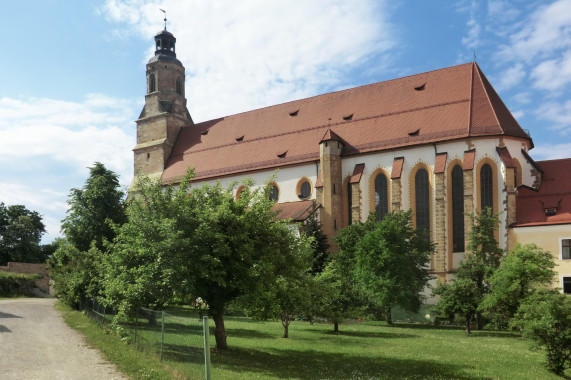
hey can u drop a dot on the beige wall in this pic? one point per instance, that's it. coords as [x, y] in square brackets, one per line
[549, 238]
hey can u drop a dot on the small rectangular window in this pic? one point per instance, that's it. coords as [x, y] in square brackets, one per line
[565, 249]
[566, 285]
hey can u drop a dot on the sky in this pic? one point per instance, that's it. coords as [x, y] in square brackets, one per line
[72, 73]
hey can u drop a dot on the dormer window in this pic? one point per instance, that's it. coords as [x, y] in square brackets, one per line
[550, 211]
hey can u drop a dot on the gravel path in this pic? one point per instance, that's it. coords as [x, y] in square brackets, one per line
[35, 343]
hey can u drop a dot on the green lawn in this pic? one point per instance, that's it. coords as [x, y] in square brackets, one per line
[363, 350]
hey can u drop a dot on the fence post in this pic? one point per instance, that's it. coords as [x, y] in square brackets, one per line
[206, 333]
[162, 333]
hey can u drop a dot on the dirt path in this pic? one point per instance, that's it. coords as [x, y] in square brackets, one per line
[35, 343]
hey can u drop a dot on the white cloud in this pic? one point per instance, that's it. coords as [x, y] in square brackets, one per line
[553, 74]
[252, 53]
[551, 151]
[559, 114]
[511, 77]
[546, 31]
[472, 39]
[47, 145]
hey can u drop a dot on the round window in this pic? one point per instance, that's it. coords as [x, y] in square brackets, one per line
[275, 194]
[305, 190]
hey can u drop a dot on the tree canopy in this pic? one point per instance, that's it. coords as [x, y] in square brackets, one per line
[92, 208]
[183, 243]
[21, 231]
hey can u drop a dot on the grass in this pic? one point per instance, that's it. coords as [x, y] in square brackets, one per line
[364, 350]
[20, 275]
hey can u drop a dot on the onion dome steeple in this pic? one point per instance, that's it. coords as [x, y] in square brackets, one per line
[165, 48]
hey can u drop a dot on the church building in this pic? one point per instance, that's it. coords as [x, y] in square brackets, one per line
[441, 143]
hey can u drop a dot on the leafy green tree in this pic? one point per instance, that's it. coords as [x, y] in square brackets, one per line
[457, 297]
[545, 318]
[319, 244]
[186, 243]
[483, 257]
[525, 269]
[20, 233]
[290, 293]
[92, 207]
[77, 275]
[76, 265]
[392, 262]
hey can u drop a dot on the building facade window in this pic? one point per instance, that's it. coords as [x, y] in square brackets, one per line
[565, 249]
[457, 209]
[566, 285]
[275, 193]
[486, 187]
[151, 83]
[381, 196]
[179, 86]
[422, 201]
[349, 204]
[303, 188]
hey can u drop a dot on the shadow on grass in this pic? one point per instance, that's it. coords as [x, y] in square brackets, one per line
[246, 333]
[368, 334]
[482, 333]
[313, 364]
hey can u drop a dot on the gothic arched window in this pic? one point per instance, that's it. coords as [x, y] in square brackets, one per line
[381, 196]
[422, 201]
[457, 209]
[486, 187]
[152, 83]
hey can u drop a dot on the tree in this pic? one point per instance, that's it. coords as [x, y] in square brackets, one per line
[545, 318]
[92, 207]
[188, 242]
[77, 275]
[76, 265]
[458, 297]
[484, 256]
[20, 233]
[290, 293]
[391, 262]
[319, 244]
[525, 269]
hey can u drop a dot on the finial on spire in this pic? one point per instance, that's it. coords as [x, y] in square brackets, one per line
[165, 12]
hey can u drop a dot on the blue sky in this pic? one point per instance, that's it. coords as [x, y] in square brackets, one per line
[73, 72]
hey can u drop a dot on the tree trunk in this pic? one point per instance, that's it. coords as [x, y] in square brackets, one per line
[479, 320]
[285, 324]
[468, 323]
[219, 331]
[389, 316]
[335, 326]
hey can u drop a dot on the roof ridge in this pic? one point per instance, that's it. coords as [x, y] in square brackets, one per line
[477, 70]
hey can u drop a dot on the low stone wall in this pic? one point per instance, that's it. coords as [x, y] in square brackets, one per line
[28, 268]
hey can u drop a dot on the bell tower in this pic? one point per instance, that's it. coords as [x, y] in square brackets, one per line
[165, 112]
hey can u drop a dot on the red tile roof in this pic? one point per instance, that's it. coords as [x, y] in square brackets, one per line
[296, 211]
[440, 164]
[442, 105]
[468, 163]
[506, 157]
[554, 192]
[397, 167]
[357, 173]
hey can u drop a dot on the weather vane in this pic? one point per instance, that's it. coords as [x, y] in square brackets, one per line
[165, 12]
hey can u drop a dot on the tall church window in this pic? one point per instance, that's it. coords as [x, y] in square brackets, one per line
[349, 204]
[486, 187]
[422, 199]
[152, 83]
[457, 209]
[275, 193]
[381, 196]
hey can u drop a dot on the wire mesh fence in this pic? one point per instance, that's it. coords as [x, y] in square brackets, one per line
[176, 337]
